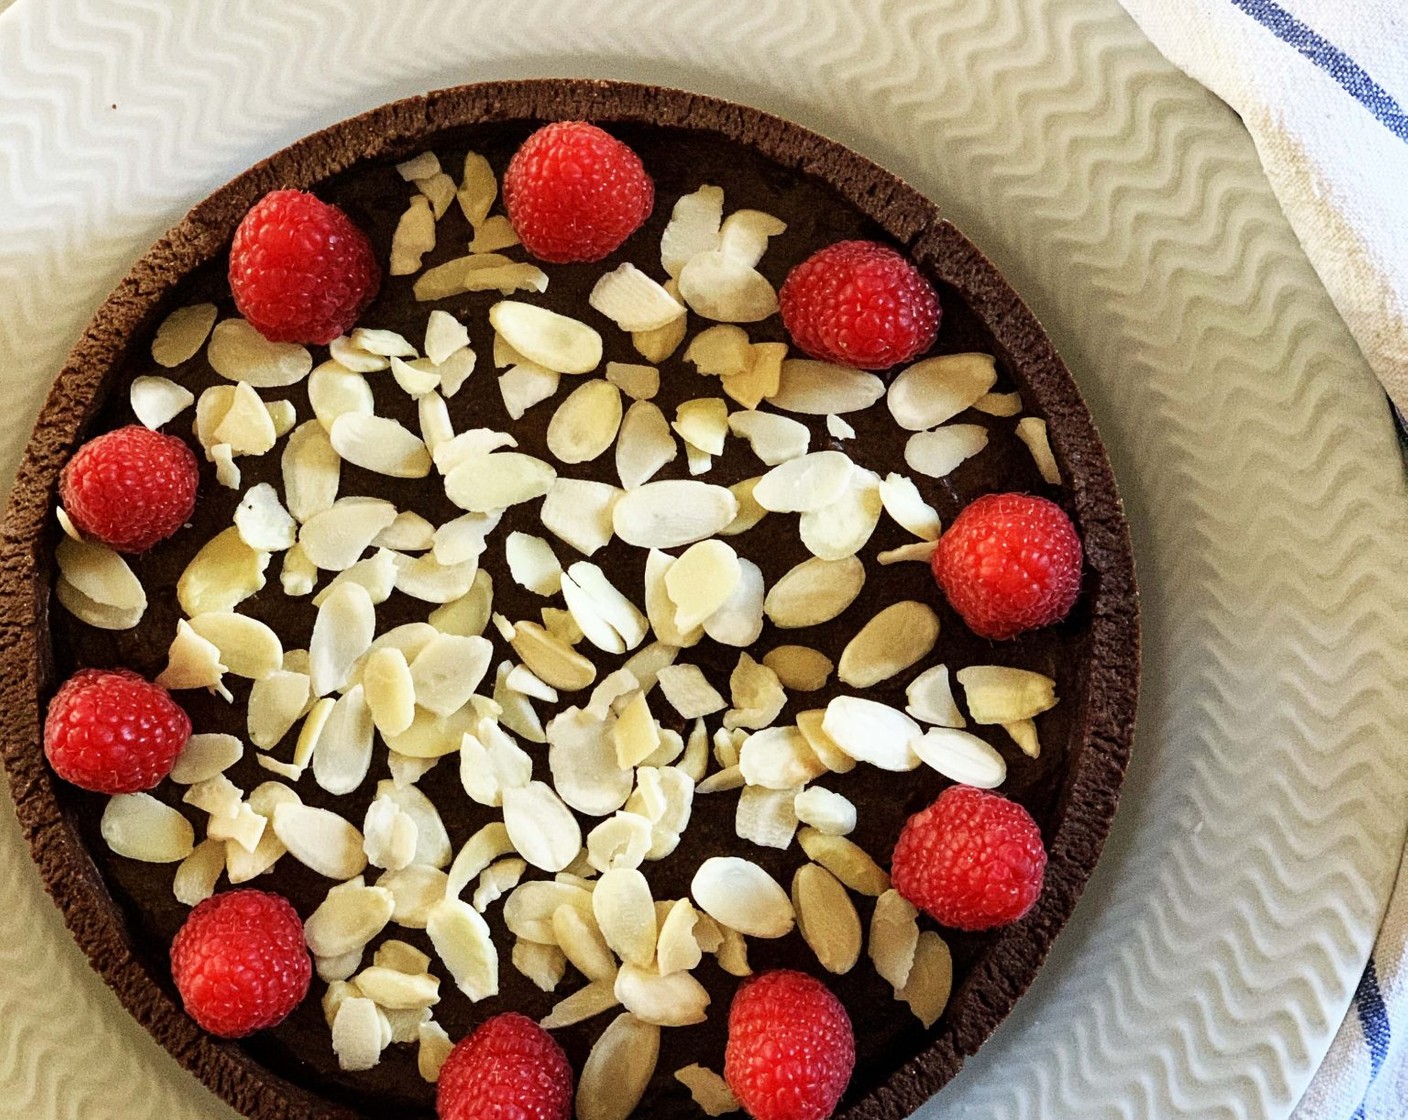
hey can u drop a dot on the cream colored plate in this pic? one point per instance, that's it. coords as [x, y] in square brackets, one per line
[1217, 948]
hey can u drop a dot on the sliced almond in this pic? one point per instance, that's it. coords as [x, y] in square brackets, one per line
[935, 390]
[676, 999]
[497, 481]
[775, 439]
[677, 950]
[693, 228]
[542, 828]
[825, 810]
[413, 237]
[672, 513]
[930, 979]
[733, 953]
[899, 636]
[903, 502]
[334, 391]
[448, 670]
[478, 852]
[453, 372]
[138, 826]
[931, 699]
[621, 840]
[1023, 732]
[192, 661]
[343, 758]
[432, 841]
[379, 445]
[227, 473]
[625, 914]
[389, 835]
[700, 581]
[320, 840]
[159, 400]
[872, 732]
[644, 445]
[426, 578]
[336, 538]
[961, 757]
[842, 528]
[248, 648]
[579, 512]
[495, 879]
[552, 659]
[813, 592]
[582, 1004]
[179, 338]
[638, 382]
[998, 694]
[839, 429]
[525, 385]
[377, 573]
[416, 378]
[357, 1034]
[799, 668]
[1032, 432]
[763, 377]
[607, 618]
[633, 301]
[246, 427]
[766, 817]
[463, 538]
[349, 354]
[806, 483]
[311, 471]
[416, 889]
[703, 423]
[387, 344]
[347, 919]
[469, 614]
[824, 389]
[726, 289]
[478, 189]
[422, 166]
[846, 860]
[529, 910]
[677, 792]
[103, 617]
[342, 632]
[749, 511]
[999, 404]
[238, 352]
[398, 991]
[582, 943]
[309, 734]
[688, 692]
[745, 234]
[552, 340]
[618, 1069]
[205, 756]
[720, 351]
[938, 453]
[544, 965]
[635, 733]
[661, 609]
[921, 552]
[778, 758]
[533, 564]
[894, 938]
[585, 769]
[435, 1047]
[101, 575]
[826, 918]
[586, 422]
[710, 1091]
[198, 873]
[492, 234]
[738, 621]
[461, 939]
[742, 896]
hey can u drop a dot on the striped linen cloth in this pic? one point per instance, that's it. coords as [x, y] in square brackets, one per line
[1322, 86]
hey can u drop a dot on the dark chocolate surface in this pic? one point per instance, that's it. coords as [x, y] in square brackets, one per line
[1070, 789]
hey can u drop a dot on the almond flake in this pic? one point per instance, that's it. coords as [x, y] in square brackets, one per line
[417, 378]
[673, 1000]
[826, 918]
[775, 439]
[621, 840]
[479, 851]
[625, 914]
[1032, 432]
[311, 471]
[676, 789]
[579, 512]
[710, 1091]
[999, 404]
[435, 1047]
[159, 400]
[217, 796]
[246, 427]
[997, 694]
[180, 337]
[720, 351]
[842, 528]
[826, 748]
[846, 860]
[492, 234]
[799, 668]
[356, 1034]
[377, 573]
[205, 756]
[757, 695]
[761, 379]
[693, 228]
[491, 762]
[243, 866]
[618, 1069]
[198, 873]
[582, 943]
[192, 661]
[342, 632]
[839, 429]
[409, 532]
[638, 382]
[586, 422]
[464, 538]
[633, 301]
[551, 340]
[336, 538]
[96, 614]
[808, 482]
[432, 841]
[138, 826]
[824, 389]
[542, 828]
[525, 385]
[745, 233]
[872, 732]
[672, 513]
[529, 911]
[344, 756]
[825, 810]
[386, 344]
[733, 953]
[389, 835]
[725, 289]
[677, 950]
[738, 621]
[347, 919]
[351, 356]
[749, 511]
[742, 896]
[896, 638]
[238, 352]
[1023, 733]
[426, 578]
[778, 758]
[582, 759]
[609, 620]
[495, 879]
[688, 692]
[448, 670]
[931, 700]
[551, 659]
[930, 979]
[454, 371]
[894, 937]
[320, 840]
[938, 453]
[247, 647]
[422, 166]
[262, 521]
[935, 390]
[961, 757]
[309, 734]
[211, 408]
[469, 614]
[813, 592]
[283, 415]
[532, 564]
[484, 483]
[227, 473]
[766, 817]
[658, 345]
[701, 581]
[413, 237]
[380, 445]
[334, 391]
[645, 664]
[416, 889]
[440, 190]
[635, 734]
[101, 575]
[905, 505]
[645, 444]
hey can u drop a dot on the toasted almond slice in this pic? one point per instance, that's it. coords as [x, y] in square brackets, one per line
[533, 564]
[936, 390]
[101, 575]
[999, 404]
[413, 237]
[814, 591]
[638, 382]
[635, 734]
[899, 636]
[846, 860]
[311, 471]
[159, 400]
[469, 614]
[806, 483]
[778, 758]
[344, 756]
[672, 513]
[415, 378]
[761, 379]
[931, 699]
[552, 340]
[799, 668]
[872, 732]
[504, 279]
[842, 528]
[320, 840]
[377, 573]
[444, 334]
[336, 538]
[742, 896]
[104, 617]
[205, 756]
[710, 1091]
[733, 953]
[461, 938]
[1032, 432]
[720, 351]
[379, 445]
[688, 692]
[544, 965]
[491, 762]
[1023, 733]
[478, 852]
[839, 429]
[478, 189]
[633, 301]
[660, 608]
[894, 938]
[826, 918]
[389, 835]
[179, 338]
[825, 810]
[586, 422]
[248, 648]
[766, 817]
[582, 1004]
[676, 999]
[525, 385]
[357, 1034]
[334, 391]
[422, 166]
[644, 446]
[484, 483]
[492, 234]
[454, 371]
[409, 532]
[938, 453]
[903, 502]
[198, 873]
[243, 866]
[495, 879]
[582, 943]
[725, 289]
[585, 770]
[693, 228]
[348, 918]
[930, 979]
[238, 352]
[529, 911]
[701, 581]
[921, 552]
[217, 796]
[440, 190]
[824, 389]
[342, 632]
[542, 828]
[775, 439]
[426, 578]
[211, 407]
[997, 694]
[138, 826]
[283, 415]
[309, 734]
[625, 914]
[246, 427]
[749, 511]
[658, 345]
[738, 621]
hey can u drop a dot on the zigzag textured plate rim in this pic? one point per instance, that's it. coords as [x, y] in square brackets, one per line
[1104, 728]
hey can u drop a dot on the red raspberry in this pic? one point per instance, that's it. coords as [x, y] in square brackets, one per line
[130, 488]
[240, 962]
[790, 1047]
[300, 269]
[861, 304]
[110, 731]
[1008, 563]
[575, 193]
[971, 860]
[509, 1067]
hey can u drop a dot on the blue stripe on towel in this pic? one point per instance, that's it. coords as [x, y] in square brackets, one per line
[1319, 50]
[1373, 1018]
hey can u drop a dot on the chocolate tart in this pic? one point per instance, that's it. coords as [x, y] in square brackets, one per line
[123, 914]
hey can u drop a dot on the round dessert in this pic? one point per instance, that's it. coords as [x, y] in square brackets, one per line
[655, 609]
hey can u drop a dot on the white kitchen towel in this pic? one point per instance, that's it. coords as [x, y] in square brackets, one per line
[1322, 86]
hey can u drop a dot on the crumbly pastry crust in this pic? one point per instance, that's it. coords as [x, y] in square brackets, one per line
[1101, 734]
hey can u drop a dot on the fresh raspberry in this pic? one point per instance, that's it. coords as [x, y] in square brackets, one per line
[1009, 563]
[130, 488]
[110, 731]
[790, 1047]
[574, 192]
[240, 962]
[972, 860]
[300, 269]
[508, 1068]
[861, 304]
